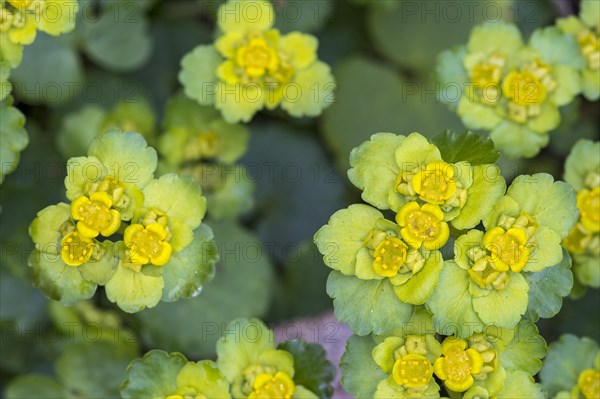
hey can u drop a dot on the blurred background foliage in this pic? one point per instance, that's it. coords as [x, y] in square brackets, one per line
[382, 54]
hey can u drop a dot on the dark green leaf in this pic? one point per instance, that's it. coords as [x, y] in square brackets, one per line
[466, 146]
[312, 370]
[360, 373]
[547, 289]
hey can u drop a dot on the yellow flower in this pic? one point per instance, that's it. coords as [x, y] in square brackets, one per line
[95, 216]
[588, 202]
[436, 183]
[423, 225]
[389, 256]
[508, 248]
[76, 249]
[589, 383]
[21, 18]
[252, 66]
[147, 245]
[412, 371]
[457, 365]
[527, 90]
[589, 43]
[269, 386]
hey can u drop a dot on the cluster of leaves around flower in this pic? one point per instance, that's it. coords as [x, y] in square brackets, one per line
[141, 238]
[478, 287]
[499, 84]
[195, 142]
[251, 66]
[249, 365]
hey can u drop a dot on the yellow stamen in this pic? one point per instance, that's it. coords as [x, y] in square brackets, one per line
[389, 256]
[269, 386]
[508, 248]
[76, 249]
[147, 244]
[412, 371]
[589, 383]
[95, 216]
[524, 88]
[436, 183]
[423, 225]
[458, 364]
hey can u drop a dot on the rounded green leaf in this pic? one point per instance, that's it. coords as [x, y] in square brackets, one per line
[315, 87]
[419, 287]
[126, 156]
[13, 137]
[100, 271]
[205, 378]
[360, 373]
[57, 280]
[243, 343]
[502, 308]
[94, 369]
[525, 351]
[518, 141]
[35, 386]
[374, 169]
[78, 130]
[103, 41]
[582, 159]
[452, 305]
[198, 74]
[566, 359]
[547, 289]
[188, 270]
[521, 385]
[343, 238]
[487, 188]
[368, 306]
[35, 83]
[154, 375]
[557, 48]
[134, 291]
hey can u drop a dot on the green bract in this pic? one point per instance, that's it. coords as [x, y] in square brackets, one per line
[572, 368]
[119, 163]
[393, 170]
[410, 362]
[248, 366]
[586, 29]
[582, 171]
[512, 89]
[396, 265]
[197, 142]
[252, 66]
[163, 375]
[13, 137]
[248, 359]
[516, 266]
[368, 254]
[81, 127]
[143, 245]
